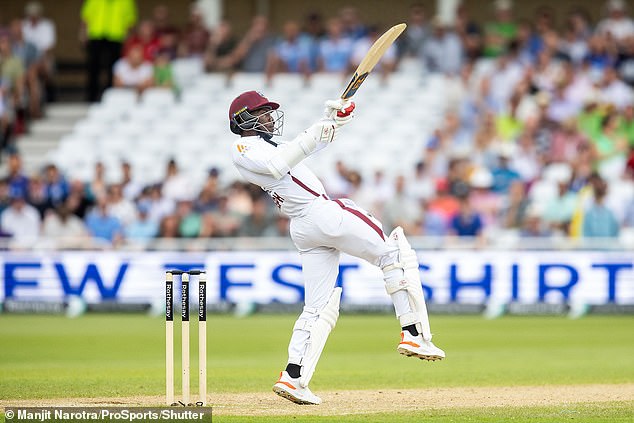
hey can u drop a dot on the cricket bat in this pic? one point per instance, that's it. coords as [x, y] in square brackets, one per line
[371, 58]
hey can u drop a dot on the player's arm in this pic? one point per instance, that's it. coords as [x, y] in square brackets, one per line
[313, 139]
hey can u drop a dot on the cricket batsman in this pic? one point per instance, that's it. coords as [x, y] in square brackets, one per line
[321, 228]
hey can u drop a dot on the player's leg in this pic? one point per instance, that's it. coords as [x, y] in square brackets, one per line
[361, 235]
[320, 267]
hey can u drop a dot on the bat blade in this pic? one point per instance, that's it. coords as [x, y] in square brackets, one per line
[371, 58]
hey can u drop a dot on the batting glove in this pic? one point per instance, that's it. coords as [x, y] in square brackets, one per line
[341, 111]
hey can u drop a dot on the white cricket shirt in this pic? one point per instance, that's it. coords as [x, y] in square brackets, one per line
[293, 193]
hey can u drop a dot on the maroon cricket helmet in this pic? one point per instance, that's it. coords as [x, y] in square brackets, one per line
[247, 102]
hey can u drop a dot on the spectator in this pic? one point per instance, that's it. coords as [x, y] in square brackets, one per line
[609, 145]
[466, 222]
[503, 175]
[601, 55]
[442, 51]
[240, 199]
[381, 187]
[618, 24]
[504, 76]
[335, 48]
[169, 227]
[176, 185]
[5, 199]
[41, 32]
[97, 187]
[167, 34]
[292, 53]
[353, 28]
[131, 188]
[400, 210]
[615, 91]
[55, 186]
[313, 32]
[559, 211]
[533, 226]
[36, 195]
[146, 38]
[226, 222]
[7, 115]
[574, 43]
[119, 206]
[599, 221]
[160, 206]
[16, 177]
[509, 124]
[411, 42]
[260, 220]
[566, 142]
[499, 33]
[482, 199]
[444, 204]
[256, 47]
[132, 71]
[625, 61]
[515, 211]
[360, 192]
[163, 75]
[20, 220]
[105, 25]
[143, 228]
[196, 35]
[338, 182]
[422, 184]
[431, 223]
[280, 228]
[209, 196]
[102, 225]
[190, 221]
[561, 107]
[78, 202]
[469, 32]
[68, 229]
[12, 72]
[29, 55]
[222, 43]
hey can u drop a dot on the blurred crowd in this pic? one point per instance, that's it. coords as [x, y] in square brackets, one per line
[537, 137]
[26, 69]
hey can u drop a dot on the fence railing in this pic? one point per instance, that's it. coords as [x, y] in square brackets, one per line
[500, 243]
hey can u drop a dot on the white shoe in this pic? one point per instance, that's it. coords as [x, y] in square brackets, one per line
[290, 389]
[416, 346]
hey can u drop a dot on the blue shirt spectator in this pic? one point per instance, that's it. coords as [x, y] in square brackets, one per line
[56, 188]
[599, 221]
[16, 179]
[143, 228]
[503, 176]
[293, 51]
[102, 225]
[335, 50]
[466, 222]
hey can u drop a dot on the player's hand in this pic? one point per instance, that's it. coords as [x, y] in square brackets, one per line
[341, 111]
[325, 131]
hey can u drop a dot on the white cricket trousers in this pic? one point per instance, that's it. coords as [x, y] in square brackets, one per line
[328, 228]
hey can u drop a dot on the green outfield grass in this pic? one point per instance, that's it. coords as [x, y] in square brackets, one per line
[123, 355]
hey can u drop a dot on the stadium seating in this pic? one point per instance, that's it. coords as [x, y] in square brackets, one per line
[192, 127]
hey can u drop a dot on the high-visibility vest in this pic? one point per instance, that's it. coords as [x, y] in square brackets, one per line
[108, 19]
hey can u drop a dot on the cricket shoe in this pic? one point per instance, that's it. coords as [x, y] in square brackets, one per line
[290, 389]
[416, 346]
